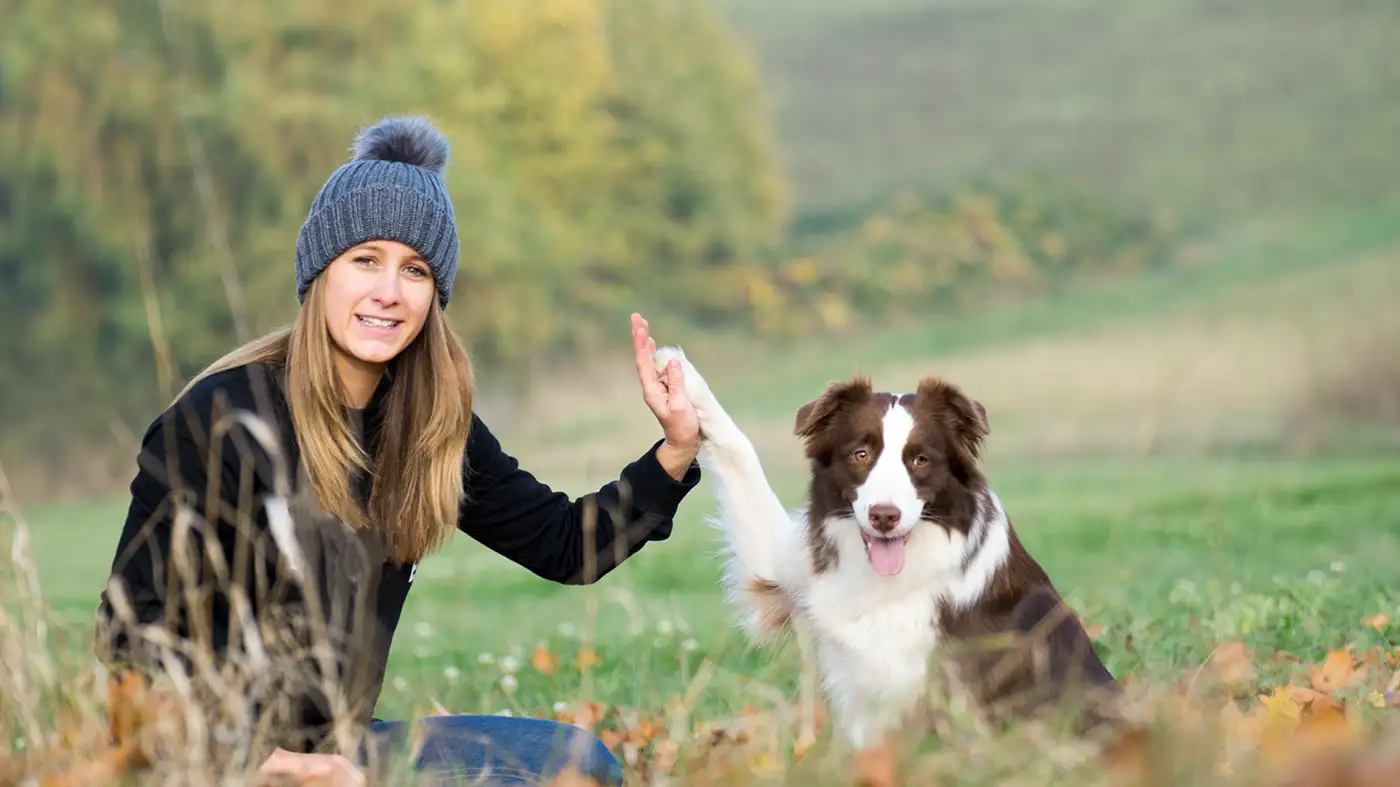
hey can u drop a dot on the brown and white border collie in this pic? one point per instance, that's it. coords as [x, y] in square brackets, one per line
[902, 554]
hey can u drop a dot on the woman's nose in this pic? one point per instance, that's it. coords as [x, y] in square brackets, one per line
[386, 287]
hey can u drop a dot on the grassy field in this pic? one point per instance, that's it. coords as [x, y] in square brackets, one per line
[1171, 448]
[1189, 105]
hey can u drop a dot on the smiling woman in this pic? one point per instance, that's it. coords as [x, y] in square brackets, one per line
[284, 500]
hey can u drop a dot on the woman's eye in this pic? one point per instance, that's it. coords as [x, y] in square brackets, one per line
[417, 271]
[364, 260]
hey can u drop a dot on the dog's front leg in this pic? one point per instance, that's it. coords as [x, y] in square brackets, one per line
[753, 519]
[810, 699]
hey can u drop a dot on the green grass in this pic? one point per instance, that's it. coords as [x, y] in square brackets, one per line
[1120, 540]
[1283, 554]
[1196, 106]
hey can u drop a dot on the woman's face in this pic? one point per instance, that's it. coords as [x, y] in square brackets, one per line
[376, 299]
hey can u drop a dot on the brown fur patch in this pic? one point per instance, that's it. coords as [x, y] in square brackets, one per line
[771, 603]
[1022, 648]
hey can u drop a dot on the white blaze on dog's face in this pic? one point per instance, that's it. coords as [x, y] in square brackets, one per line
[893, 463]
[887, 504]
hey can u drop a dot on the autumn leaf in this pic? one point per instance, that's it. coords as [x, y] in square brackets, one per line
[543, 660]
[874, 767]
[1377, 621]
[1229, 664]
[106, 768]
[586, 715]
[1241, 728]
[1322, 711]
[1283, 705]
[587, 657]
[1336, 672]
[1323, 728]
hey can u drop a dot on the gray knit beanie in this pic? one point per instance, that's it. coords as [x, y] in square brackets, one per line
[390, 189]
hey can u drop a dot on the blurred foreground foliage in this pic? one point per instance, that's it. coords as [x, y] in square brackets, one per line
[158, 156]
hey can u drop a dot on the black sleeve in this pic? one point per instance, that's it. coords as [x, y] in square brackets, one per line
[223, 541]
[570, 541]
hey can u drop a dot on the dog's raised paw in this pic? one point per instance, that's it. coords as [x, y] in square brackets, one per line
[664, 355]
[695, 386]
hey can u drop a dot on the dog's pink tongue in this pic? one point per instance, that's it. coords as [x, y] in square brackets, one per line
[887, 555]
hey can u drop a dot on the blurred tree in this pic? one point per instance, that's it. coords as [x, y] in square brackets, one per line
[608, 154]
[157, 158]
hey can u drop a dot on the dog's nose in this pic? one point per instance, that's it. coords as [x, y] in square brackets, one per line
[884, 517]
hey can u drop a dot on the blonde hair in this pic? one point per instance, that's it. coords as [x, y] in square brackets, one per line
[419, 466]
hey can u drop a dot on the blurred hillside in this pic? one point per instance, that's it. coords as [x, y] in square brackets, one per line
[1223, 106]
[778, 170]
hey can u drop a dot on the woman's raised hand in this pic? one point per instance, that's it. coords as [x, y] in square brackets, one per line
[664, 393]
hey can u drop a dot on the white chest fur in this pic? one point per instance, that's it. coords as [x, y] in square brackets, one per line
[872, 653]
[875, 635]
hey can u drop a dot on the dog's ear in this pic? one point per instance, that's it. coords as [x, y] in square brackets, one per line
[964, 417]
[804, 418]
[813, 416]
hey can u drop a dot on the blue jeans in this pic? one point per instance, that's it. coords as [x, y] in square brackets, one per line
[500, 750]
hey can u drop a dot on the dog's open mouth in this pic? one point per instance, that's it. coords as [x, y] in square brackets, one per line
[886, 555]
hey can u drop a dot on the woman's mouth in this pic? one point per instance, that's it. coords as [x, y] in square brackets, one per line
[378, 323]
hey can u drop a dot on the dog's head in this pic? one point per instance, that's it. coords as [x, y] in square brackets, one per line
[894, 462]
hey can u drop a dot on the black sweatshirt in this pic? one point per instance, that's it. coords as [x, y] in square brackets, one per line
[571, 541]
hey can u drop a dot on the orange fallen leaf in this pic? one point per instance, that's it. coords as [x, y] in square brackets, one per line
[1094, 630]
[1284, 704]
[543, 660]
[132, 708]
[874, 767]
[1230, 664]
[587, 657]
[646, 730]
[1323, 728]
[106, 768]
[1323, 712]
[1335, 673]
[1377, 621]
[588, 715]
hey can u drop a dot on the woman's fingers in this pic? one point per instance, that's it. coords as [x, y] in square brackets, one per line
[652, 391]
[675, 386]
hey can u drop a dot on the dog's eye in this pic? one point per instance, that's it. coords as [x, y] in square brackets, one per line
[920, 460]
[860, 454]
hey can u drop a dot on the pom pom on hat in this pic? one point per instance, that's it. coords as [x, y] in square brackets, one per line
[408, 140]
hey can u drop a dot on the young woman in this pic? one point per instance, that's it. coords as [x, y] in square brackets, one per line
[284, 501]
